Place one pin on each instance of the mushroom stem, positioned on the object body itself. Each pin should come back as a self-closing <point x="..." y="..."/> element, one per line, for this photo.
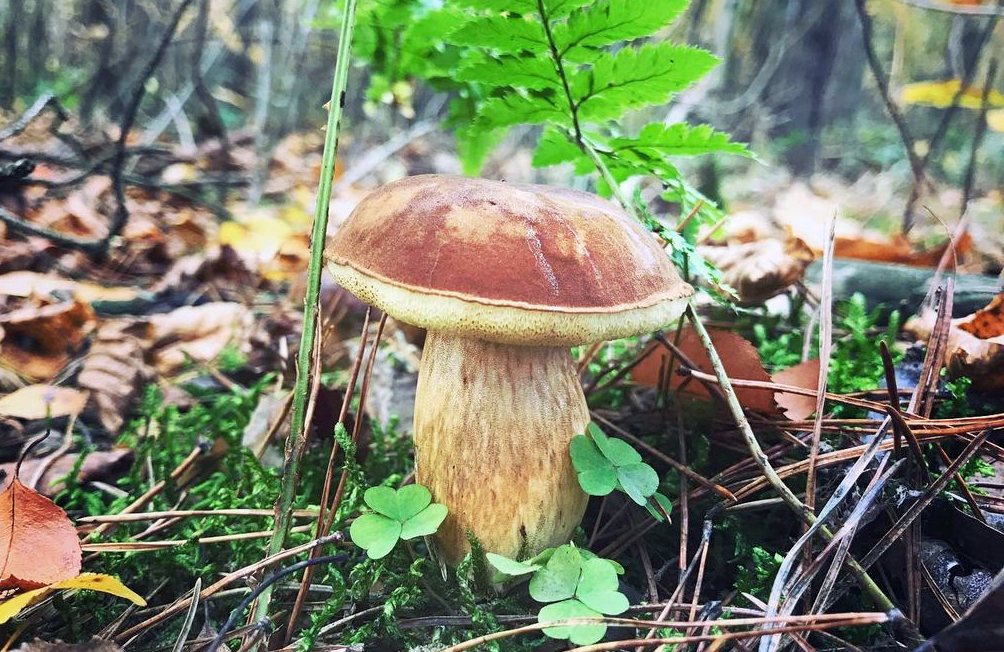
<point x="492" y="427"/>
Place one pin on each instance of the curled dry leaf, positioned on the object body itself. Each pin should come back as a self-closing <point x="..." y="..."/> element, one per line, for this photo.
<point x="762" y="269"/>
<point x="38" y="543"/>
<point x="897" y="249"/>
<point x="975" y="343"/>
<point x="99" y="466"/>
<point x="115" y="369"/>
<point x="41" y="401"/>
<point x="740" y="358"/>
<point x="40" y="340"/>
<point x="199" y="333"/>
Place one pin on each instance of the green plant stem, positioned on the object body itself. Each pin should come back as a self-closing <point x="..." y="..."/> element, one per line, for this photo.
<point x="296" y="443"/>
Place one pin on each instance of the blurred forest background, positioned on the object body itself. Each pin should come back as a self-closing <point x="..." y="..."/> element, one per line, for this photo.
<point x="794" y="82"/>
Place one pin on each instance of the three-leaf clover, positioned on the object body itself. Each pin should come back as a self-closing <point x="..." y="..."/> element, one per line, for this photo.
<point x="604" y="463"/>
<point x="402" y="514"/>
<point x="576" y="587"/>
<point x="576" y="583"/>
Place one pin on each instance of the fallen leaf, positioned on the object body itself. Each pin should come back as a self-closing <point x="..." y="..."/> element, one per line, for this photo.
<point x="221" y="269"/>
<point x="940" y="94"/>
<point x="897" y="249"/>
<point x="103" y="466"/>
<point x="199" y="333"/>
<point x="116" y="369"/>
<point x="94" y="645"/>
<point x="38" y="543"/>
<point x="87" y="581"/>
<point x="805" y="375"/>
<point x="40" y="340"/>
<point x="995" y="120"/>
<point x="740" y="359"/>
<point x="975" y="343"/>
<point x="41" y="401"/>
<point x="26" y="284"/>
<point x="762" y="269"/>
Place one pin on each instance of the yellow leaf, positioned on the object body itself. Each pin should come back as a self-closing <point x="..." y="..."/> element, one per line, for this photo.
<point x="940" y="94"/>
<point x="39" y="401"/>
<point x="995" y="120"/>
<point x="88" y="581"/>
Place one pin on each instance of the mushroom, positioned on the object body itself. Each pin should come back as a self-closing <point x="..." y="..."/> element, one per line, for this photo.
<point x="505" y="277"/>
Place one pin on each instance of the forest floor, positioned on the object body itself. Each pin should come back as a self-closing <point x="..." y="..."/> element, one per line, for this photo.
<point x="160" y="375"/>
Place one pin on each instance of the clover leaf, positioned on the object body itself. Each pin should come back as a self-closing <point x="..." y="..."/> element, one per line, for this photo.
<point x="405" y="513"/>
<point x="576" y="583"/>
<point x="603" y="464"/>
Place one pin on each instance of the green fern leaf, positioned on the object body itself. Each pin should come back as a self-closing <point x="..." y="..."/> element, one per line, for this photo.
<point x="502" y="34"/>
<point x="535" y="73"/>
<point x="474" y="144"/>
<point x="515" y="108"/>
<point x="636" y="77"/>
<point x="509" y="6"/>
<point x="556" y="148"/>
<point x="611" y="21"/>
<point x="658" y="139"/>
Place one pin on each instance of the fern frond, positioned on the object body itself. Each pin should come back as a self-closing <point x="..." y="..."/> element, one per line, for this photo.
<point x="636" y="77"/>
<point x="611" y="21"/>
<point x="508" y="35"/>
<point x="680" y="139"/>
<point x="516" y="107"/>
<point x="555" y="147"/>
<point x="536" y="73"/>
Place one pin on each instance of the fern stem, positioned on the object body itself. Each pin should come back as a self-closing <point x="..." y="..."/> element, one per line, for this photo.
<point x="608" y="177"/>
<point x="297" y="440"/>
<point x="560" y="66"/>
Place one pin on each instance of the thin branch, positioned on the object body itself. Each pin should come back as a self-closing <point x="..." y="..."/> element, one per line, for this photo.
<point x="882" y="79"/>
<point x="118" y="184"/>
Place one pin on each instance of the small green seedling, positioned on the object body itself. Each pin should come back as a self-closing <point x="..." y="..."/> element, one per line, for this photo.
<point x="575" y="583"/>
<point x="406" y="513"/>
<point x="604" y="464"/>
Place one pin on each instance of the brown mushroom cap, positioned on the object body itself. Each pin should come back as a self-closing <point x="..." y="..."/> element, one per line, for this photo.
<point x="511" y="263"/>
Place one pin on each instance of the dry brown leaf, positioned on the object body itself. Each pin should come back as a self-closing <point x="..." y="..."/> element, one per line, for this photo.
<point x="897" y="249"/>
<point x="763" y="269"/>
<point x="94" y="645"/>
<point x="199" y="333"/>
<point x="103" y="466"/>
<point x="38" y="543"/>
<point x="975" y="343"/>
<point x="739" y="357"/>
<point x="805" y="375"/>
<point x="40" y="340"/>
<point x="115" y="369"/>
<point x="40" y="401"/>
<point x="27" y="284"/>
<point x="222" y="269"/>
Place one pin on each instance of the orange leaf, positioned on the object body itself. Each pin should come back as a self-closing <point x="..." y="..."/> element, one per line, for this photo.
<point x="38" y="543"/>
<point x="739" y="357"/>
<point x="805" y="375"/>
<point x="975" y="344"/>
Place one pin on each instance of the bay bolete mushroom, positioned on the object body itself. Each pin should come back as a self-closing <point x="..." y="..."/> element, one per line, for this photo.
<point x="505" y="277"/>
